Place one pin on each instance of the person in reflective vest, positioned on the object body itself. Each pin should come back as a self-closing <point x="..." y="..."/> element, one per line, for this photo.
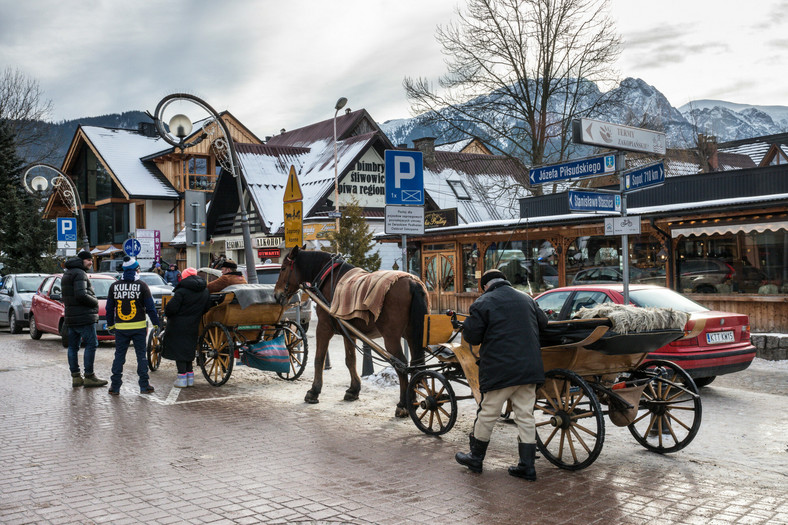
<point x="128" y="300"/>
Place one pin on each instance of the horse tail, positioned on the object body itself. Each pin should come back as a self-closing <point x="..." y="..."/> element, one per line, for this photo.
<point x="418" y="309"/>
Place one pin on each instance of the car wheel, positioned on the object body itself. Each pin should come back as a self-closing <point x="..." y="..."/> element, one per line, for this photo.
<point x="34" y="333"/>
<point x="13" y="324"/>
<point x="705" y="288"/>
<point x="63" y="335"/>
<point x="700" y="382"/>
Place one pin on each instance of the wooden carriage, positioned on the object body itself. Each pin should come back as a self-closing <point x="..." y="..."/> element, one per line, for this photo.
<point x="240" y="316"/>
<point x="587" y="366"/>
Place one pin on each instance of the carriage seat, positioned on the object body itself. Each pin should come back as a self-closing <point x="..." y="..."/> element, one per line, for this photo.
<point x="249" y="294"/>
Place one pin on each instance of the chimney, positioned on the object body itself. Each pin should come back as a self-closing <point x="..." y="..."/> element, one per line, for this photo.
<point x="347" y="111"/>
<point x="707" y="147"/>
<point x="282" y="131"/>
<point x="427" y="146"/>
<point x="147" y="129"/>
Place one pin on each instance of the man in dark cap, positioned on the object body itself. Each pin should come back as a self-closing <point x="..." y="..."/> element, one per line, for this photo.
<point x="506" y="323"/>
<point x="81" y="314"/>
<point x="230" y="276"/>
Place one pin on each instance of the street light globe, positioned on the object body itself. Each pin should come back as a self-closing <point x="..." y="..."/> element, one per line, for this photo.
<point x="39" y="183"/>
<point x="180" y="125"/>
<point x="340" y="103"/>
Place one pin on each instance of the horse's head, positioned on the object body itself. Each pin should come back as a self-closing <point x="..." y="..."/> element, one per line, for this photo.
<point x="289" y="278"/>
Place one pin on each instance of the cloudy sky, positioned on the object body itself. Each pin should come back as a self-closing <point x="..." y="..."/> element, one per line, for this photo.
<point x="283" y="63"/>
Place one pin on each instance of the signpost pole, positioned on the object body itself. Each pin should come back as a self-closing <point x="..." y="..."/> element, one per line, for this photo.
<point x="196" y="229"/>
<point x="621" y="161"/>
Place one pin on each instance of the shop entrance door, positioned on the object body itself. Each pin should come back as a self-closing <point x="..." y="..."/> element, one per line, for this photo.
<point x="439" y="276"/>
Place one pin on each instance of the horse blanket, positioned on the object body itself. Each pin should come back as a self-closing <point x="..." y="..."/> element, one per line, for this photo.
<point x="360" y="294"/>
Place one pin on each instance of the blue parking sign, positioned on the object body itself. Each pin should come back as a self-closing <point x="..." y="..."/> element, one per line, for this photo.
<point x="404" y="177"/>
<point x="66" y="229"/>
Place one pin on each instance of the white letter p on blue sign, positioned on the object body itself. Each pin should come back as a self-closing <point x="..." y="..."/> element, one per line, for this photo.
<point x="66" y="229"/>
<point x="404" y="169"/>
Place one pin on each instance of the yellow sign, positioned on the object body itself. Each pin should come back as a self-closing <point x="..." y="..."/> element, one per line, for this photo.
<point x="293" y="189"/>
<point x="294" y="229"/>
<point x="318" y="230"/>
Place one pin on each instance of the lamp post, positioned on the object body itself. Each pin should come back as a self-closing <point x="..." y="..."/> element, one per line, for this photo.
<point x="180" y="126"/>
<point x="61" y="183"/>
<point x="339" y="105"/>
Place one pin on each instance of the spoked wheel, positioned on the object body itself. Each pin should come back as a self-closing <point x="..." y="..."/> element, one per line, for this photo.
<point x="297" y="346"/>
<point x="431" y="402"/>
<point x="669" y="412"/>
<point x="154" y="348"/>
<point x="215" y="354"/>
<point x="570" y="428"/>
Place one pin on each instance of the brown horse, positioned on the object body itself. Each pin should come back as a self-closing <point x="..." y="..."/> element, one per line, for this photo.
<point x="402" y="315"/>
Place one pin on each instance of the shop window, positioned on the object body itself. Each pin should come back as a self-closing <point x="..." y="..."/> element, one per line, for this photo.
<point x="743" y="262"/>
<point x="528" y="265"/>
<point x="470" y="257"/>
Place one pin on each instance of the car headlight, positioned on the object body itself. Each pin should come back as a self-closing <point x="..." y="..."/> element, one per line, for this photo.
<point x="27" y="304"/>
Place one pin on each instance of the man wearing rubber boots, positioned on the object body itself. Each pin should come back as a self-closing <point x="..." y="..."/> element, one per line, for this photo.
<point x="506" y="323"/>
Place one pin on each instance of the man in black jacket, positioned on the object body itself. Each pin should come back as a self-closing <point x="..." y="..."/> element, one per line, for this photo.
<point x="506" y="323"/>
<point x="81" y="315"/>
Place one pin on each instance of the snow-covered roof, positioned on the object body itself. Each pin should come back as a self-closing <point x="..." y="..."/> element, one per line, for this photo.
<point x="121" y="151"/>
<point x="267" y="168"/>
<point x="644" y="210"/>
<point x="454" y="147"/>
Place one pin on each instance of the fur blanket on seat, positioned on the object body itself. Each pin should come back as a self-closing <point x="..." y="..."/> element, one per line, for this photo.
<point x="626" y="319"/>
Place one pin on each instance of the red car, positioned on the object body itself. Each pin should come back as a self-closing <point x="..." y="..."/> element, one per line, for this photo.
<point x="722" y="346"/>
<point x="46" y="312"/>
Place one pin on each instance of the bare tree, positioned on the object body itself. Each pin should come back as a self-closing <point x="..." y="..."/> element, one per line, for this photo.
<point x="24" y="108"/>
<point x="519" y="71"/>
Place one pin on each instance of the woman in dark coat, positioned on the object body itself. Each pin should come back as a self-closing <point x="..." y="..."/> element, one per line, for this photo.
<point x="184" y="311"/>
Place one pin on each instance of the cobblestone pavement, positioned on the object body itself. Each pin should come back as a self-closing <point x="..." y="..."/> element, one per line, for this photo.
<point x="251" y="451"/>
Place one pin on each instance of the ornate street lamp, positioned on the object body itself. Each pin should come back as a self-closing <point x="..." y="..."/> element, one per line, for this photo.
<point x="180" y="126"/>
<point x="339" y="105"/>
<point x="54" y="180"/>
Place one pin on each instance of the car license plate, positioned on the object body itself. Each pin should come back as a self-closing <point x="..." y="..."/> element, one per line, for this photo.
<point x="715" y="338"/>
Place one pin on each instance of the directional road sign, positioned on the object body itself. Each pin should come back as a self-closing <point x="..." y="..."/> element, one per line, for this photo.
<point x="645" y="177"/>
<point x="593" y="201"/>
<point x="609" y="135"/>
<point x="66" y="229"/>
<point x="132" y="247"/>
<point x="573" y="170"/>
<point x="404" y="177"/>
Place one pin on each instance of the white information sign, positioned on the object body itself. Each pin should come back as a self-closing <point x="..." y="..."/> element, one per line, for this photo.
<point x="66" y="248"/>
<point x="629" y="225"/>
<point x="406" y="220"/>
<point x="616" y="136"/>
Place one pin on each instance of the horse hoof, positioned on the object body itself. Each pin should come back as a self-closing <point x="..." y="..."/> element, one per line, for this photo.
<point x="311" y="398"/>
<point x="400" y="412"/>
<point x="351" y="397"/>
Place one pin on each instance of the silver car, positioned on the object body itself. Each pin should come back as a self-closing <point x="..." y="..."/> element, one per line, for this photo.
<point x="16" y="296"/>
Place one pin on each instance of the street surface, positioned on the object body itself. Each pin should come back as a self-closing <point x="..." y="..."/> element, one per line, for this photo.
<point x="252" y="451"/>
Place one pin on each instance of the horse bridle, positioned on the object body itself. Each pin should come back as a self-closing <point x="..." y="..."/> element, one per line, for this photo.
<point x="290" y="268"/>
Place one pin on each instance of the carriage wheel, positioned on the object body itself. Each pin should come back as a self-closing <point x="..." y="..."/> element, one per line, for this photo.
<point x="154" y="348"/>
<point x="298" y="348"/>
<point x="570" y="429"/>
<point x="431" y="402"/>
<point x="215" y="354"/>
<point x="668" y="414"/>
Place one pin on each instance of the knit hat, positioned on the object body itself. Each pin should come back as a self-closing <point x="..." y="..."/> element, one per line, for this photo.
<point x="489" y="275"/>
<point x="188" y="272"/>
<point x="84" y="255"/>
<point x="130" y="263"/>
<point x="229" y="263"/>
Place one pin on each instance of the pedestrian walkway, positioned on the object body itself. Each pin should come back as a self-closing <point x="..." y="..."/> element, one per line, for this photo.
<point x="237" y="455"/>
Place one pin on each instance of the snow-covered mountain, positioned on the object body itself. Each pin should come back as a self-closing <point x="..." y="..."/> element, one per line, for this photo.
<point x="642" y="105"/>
